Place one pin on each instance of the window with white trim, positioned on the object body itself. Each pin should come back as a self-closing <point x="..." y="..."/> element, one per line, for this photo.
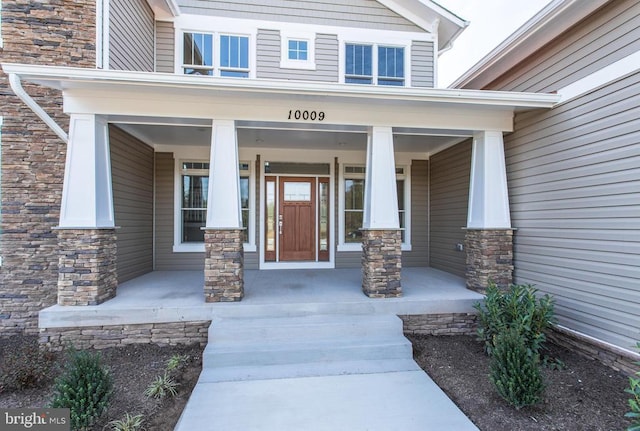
<point x="353" y="214"/>
<point x="194" y="188"/>
<point x="374" y="64"/>
<point x="297" y="50"/>
<point x="215" y="54"/>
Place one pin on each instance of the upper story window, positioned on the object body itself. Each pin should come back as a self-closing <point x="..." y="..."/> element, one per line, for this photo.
<point x="215" y="54"/>
<point x="374" y="64"/>
<point x="297" y="50"/>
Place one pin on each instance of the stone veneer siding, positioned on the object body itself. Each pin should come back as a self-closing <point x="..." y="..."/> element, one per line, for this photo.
<point x="381" y="263"/>
<point x="608" y="354"/>
<point x="223" y="265"/>
<point x="54" y="32"/>
<point x="489" y="258"/>
<point x="102" y="337"/>
<point x="440" y="324"/>
<point x="87" y="270"/>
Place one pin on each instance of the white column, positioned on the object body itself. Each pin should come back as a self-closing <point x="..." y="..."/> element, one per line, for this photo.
<point x="380" y="192"/>
<point x="87" y="198"/>
<point x="223" y="204"/>
<point x="488" y="193"/>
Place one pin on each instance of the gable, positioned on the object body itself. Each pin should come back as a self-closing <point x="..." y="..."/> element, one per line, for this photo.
<point x="347" y="13"/>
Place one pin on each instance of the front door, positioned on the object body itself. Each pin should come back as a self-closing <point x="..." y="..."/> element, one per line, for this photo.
<point x="297" y="219"/>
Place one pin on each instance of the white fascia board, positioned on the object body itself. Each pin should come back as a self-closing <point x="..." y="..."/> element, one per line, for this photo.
<point x="542" y="28"/>
<point x="70" y="78"/>
<point x="164" y="9"/>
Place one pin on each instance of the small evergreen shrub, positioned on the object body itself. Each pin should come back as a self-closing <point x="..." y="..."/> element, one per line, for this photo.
<point x="85" y="387"/>
<point x="515" y="369"/>
<point x="517" y="306"/>
<point x="28" y="366"/>
<point x="634" y="402"/>
<point x="128" y="423"/>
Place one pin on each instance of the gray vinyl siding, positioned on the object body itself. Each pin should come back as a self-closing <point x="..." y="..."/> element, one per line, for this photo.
<point x="165" y="42"/>
<point x="419" y="254"/>
<point x="166" y="259"/>
<point x="269" y="56"/>
<point x="574" y="185"/>
<point x="132" y="177"/>
<point x="449" y="181"/>
<point x="605" y="37"/>
<point x="131" y="35"/>
<point x="349" y="259"/>
<point x="349" y="13"/>
<point x="422" y="64"/>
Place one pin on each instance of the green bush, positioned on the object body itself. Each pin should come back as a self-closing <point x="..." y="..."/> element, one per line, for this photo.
<point x="517" y="306"/>
<point x="634" y="402"/>
<point x="85" y="387"/>
<point x="162" y="386"/>
<point x="515" y="369"/>
<point x="27" y="366"/>
<point x="128" y="423"/>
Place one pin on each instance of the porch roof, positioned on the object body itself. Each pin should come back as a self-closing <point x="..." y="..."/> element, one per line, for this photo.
<point x="111" y="92"/>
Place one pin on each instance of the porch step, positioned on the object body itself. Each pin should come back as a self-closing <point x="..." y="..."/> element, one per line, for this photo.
<point x="245" y="349"/>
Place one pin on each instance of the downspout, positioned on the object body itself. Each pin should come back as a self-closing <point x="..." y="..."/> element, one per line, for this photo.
<point x="16" y="86"/>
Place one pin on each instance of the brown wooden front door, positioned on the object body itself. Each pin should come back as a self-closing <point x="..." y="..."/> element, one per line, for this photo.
<point x="297" y="218"/>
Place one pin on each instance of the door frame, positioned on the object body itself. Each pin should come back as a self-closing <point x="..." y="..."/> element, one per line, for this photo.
<point x="330" y="179"/>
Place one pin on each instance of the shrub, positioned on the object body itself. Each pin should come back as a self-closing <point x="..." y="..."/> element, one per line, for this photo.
<point x="634" y="402"/>
<point x="177" y="362"/>
<point x="27" y="367"/>
<point x="518" y="306"/>
<point x="85" y="387"/>
<point x="128" y="423"/>
<point x="162" y="386"/>
<point x="515" y="370"/>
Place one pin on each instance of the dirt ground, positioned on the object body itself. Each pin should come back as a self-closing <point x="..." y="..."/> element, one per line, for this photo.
<point x="583" y="396"/>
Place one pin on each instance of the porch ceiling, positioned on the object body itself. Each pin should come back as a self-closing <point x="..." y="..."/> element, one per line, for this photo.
<point x="271" y="135"/>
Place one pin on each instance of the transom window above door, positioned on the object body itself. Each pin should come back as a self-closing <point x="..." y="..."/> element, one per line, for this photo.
<point x="374" y="64"/>
<point x="215" y="54"/>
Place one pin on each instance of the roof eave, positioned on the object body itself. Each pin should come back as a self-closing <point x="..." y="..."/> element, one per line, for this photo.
<point x="63" y="78"/>
<point x="541" y="29"/>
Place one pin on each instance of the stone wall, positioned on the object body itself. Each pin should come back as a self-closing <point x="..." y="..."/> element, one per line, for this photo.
<point x="381" y="263"/>
<point x="223" y="265"/>
<point x="441" y="324"/>
<point x="608" y="354"/>
<point x="102" y="337"/>
<point x="54" y="32"/>
<point x="489" y="258"/>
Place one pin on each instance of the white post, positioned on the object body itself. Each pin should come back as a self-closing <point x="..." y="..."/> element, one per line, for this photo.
<point x="87" y="198"/>
<point x="380" y="192"/>
<point x="488" y="193"/>
<point x="223" y="205"/>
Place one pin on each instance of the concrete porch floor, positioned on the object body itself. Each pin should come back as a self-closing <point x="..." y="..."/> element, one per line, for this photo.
<point x="176" y="296"/>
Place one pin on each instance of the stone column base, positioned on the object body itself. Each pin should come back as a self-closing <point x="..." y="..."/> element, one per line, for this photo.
<point x="86" y="266"/>
<point x="381" y="263"/>
<point x="489" y="258"/>
<point x="223" y="265"/>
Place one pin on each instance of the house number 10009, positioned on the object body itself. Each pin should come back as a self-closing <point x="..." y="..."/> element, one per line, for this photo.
<point x="306" y="115"/>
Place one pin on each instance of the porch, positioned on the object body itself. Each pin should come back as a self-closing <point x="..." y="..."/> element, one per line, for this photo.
<point x="176" y="296"/>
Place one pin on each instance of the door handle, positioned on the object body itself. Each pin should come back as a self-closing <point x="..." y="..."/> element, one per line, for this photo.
<point x="280" y="226"/>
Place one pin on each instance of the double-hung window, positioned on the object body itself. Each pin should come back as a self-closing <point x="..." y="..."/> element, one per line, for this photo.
<point x="215" y="54"/>
<point x="354" y="184"/>
<point x="374" y="64"/>
<point x="194" y="183"/>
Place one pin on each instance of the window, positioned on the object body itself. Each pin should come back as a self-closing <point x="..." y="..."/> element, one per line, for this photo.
<point x="383" y="65"/>
<point x="298" y="50"/>
<point x="354" y="203"/>
<point x="194" y="183"/>
<point x="199" y="55"/>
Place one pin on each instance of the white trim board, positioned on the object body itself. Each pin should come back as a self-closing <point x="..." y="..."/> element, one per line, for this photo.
<point x="620" y="68"/>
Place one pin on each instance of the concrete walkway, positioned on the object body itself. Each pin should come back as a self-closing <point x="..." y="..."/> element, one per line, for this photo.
<point x="316" y="372"/>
